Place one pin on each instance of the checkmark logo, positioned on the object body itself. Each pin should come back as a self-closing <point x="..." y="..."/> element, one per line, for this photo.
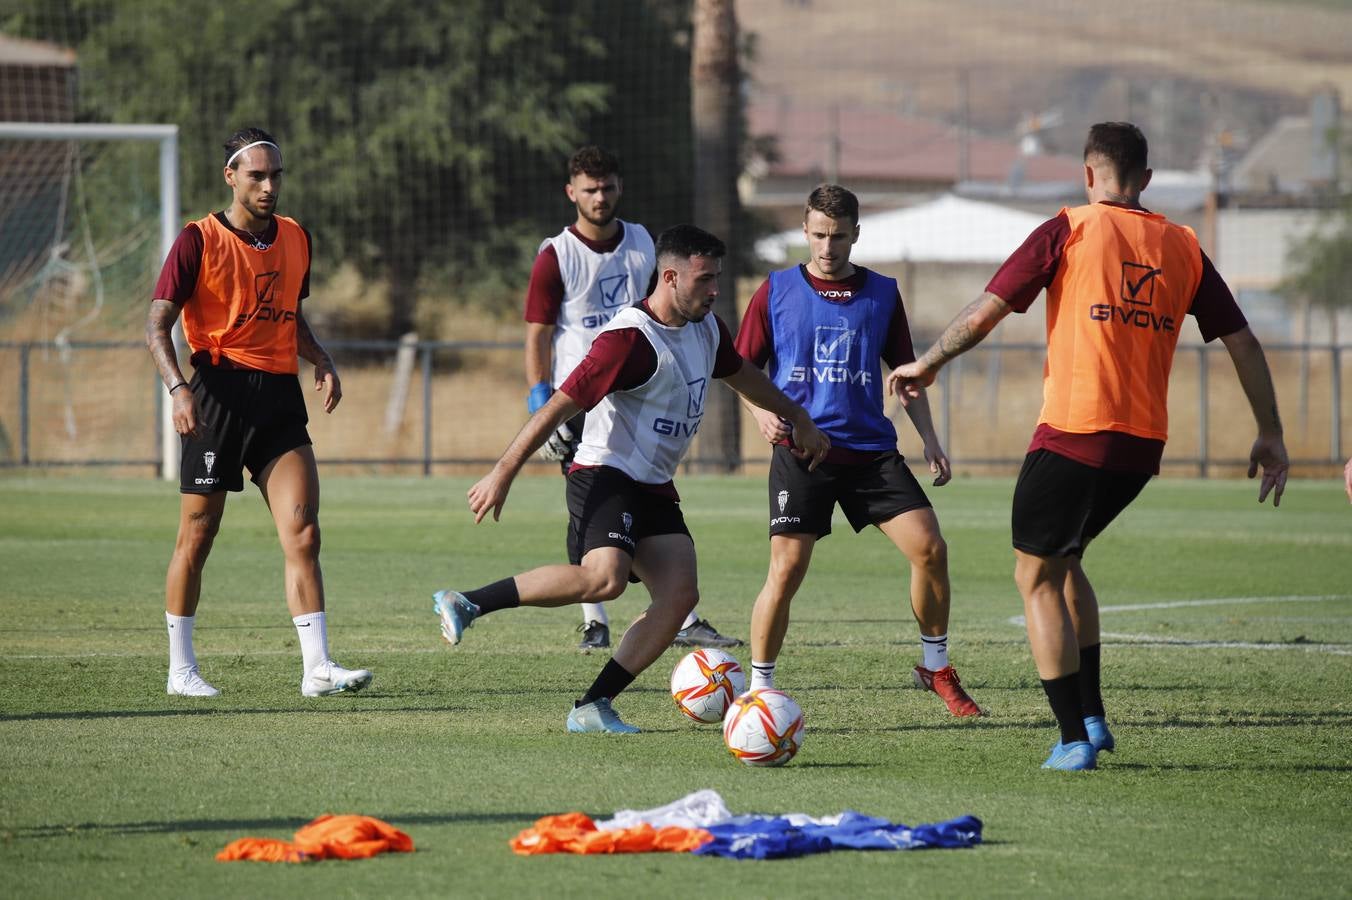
<point x="832" y="344"/>
<point x="612" y="290"/>
<point x="1138" y="283"/>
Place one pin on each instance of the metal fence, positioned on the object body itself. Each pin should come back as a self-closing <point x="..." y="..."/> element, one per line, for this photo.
<point x="427" y="406"/>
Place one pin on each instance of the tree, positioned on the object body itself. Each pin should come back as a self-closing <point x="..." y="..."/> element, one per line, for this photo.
<point x="716" y="112"/>
<point x="422" y="141"/>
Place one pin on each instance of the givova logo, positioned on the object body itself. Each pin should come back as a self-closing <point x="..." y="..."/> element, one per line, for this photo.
<point x="698" y="388"/>
<point x="832" y="343"/>
<point x="612" y="291"/>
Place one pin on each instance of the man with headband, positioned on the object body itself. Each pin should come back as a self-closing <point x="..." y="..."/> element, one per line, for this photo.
<point x="238" y="278"/>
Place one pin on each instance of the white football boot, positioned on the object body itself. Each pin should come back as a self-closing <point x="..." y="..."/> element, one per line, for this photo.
<point x="190" y="684"/>
<point x="330" y="678"/>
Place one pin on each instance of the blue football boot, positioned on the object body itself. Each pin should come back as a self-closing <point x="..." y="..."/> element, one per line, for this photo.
<point x="456" y="614"/>
<point x="1099" y="735"/>
<point x="598" y="716"/>
<point x="1077" y="756"/>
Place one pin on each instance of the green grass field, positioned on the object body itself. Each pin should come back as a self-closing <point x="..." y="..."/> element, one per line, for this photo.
<point x="1227" y="670"/>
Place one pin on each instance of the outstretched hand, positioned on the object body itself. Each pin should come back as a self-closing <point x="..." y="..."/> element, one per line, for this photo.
<point x="939" y="465"/>
<point x="490" y="492"/>
<point x="1270" y="454"/>
<point x="810" y="443"/>
<point x="909" y="381"/>
<point x="326" y="380"/>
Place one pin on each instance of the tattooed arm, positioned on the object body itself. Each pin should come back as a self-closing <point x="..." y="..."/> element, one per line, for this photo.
<point x="160" y="341"/>
<point x="326" y="373"/>
<point x="966" y="330"/>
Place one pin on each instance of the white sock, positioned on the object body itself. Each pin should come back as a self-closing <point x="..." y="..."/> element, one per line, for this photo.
<point x="762" y="675"/>
<point x="181" y="655"/>
<point x="689" y="620"/>
<point x="313" y="632"/>
<point x="935" y="650"/>
<point x="595" y="612"/>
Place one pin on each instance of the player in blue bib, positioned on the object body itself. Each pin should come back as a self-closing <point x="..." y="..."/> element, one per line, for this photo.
<point x="820" y="330"/>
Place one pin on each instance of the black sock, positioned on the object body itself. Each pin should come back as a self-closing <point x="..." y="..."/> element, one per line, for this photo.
<point x="493" y="597"/>
<point x="613" y="679"/>
<point x="1091" y="696"/>
<point x="1064" y="696"/>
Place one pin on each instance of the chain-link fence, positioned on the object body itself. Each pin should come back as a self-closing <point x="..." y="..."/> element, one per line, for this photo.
<point x="447" y="406"/>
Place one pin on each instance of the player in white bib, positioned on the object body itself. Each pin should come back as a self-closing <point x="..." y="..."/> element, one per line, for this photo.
<point x="644" y="383"/>
<point x="582" y="278"/>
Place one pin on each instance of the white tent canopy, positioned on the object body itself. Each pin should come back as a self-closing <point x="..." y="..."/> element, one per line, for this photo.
<point x="948" y="229"/>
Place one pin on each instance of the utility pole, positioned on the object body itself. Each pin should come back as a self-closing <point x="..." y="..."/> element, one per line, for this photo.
<point x="715" y="115"/>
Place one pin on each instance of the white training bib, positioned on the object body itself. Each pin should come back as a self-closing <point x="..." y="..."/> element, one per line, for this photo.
<point x="596" y="286"/>
<point x="644" y="432"/>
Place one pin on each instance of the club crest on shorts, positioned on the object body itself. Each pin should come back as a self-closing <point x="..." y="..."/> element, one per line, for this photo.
<point x="626" y="520"/>
<point x="209" y="458"/>
<point x="783" y="501"/>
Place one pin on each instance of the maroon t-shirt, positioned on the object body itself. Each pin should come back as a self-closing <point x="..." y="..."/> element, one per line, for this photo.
<point x="755" y="342"/>
<point x="178" y="277"/>
<point x="544" y="292"/>
<point x="622" y="359"/>
<point x="1030" y="270"/>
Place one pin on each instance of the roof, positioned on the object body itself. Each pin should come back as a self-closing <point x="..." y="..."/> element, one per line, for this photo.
<point x="878" y="144"/>
<point x="948" y="229"/>
<point x="19" y="52"/>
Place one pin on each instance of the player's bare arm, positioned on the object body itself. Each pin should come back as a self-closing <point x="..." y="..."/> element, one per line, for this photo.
<point x="1269" y="450"/>
<point x="976" y="320"/>
<point x="160" y="341"/>
<point x="490" y="492"/>
<point x="1347" y="479"/>
<point x="539" y="352"/>
<point x="918" y="410"/>
<point x="751" y="383"/>
<point x="313" y="352"/>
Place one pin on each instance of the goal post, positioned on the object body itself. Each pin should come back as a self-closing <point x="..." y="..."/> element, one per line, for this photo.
<point x="167" y="138"/>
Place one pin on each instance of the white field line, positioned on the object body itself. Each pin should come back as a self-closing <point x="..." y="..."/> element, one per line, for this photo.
<point x="1159" y="640"/>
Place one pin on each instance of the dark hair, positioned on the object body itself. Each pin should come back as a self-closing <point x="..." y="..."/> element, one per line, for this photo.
<point x="685" y="241"/>
<point x="594" y="162"/>
<point x="834" y="201"/>
<point x="1124" y="147"/>
<point x="243" y="138"/>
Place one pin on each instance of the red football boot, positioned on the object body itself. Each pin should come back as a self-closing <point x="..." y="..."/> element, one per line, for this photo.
<point x="945" y="683"/>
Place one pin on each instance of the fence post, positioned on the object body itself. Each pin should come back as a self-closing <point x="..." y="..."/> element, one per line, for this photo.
<point x="427" y="408"/>
<point x="1203" y="426"/>
<point x="1336" y="406"/>
<point x="23" y="403"/>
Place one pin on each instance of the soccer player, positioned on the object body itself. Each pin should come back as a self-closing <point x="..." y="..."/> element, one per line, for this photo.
<point x="643" y="383"/>
<point x="821" y="328"/>
<point x="581" y="278"/>
<point x="238" y="278"/>
<point x="1119" y="280"/>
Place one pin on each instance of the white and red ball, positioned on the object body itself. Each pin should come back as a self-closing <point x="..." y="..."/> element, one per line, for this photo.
<point x="705" y="683"/>
<point x="763" y="728"/>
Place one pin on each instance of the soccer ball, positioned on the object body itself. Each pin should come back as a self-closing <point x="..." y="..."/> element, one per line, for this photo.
<point x="763" y="728"/>
<point x="705" y="682"/>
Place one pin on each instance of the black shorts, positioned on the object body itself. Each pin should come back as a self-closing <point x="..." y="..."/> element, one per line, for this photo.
<point x="607" y="508"/>
<point x="245" y="418"/>
<point x="801" y="502"/>
<point x="1060" y="505"/>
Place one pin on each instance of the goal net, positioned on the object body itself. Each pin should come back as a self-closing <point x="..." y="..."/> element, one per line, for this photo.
<point x="88" y="213"/>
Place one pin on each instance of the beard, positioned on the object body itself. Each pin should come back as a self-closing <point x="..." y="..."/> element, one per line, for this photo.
<point x="601" y="220"/>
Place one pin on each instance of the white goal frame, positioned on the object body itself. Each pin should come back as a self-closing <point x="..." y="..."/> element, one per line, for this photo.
<point x="167" y="138"/>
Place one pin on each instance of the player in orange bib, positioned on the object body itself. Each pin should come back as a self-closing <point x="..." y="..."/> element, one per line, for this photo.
<point x="1119" y="280"/>
<point x="238" y="277"/>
